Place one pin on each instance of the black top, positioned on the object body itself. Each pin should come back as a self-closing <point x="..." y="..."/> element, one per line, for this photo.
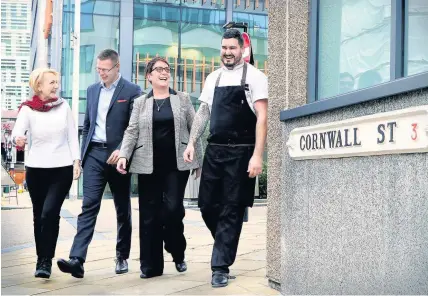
<point x="163" y="135"/>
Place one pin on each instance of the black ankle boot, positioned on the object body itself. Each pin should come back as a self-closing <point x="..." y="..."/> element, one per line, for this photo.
<point x="39" y="261"/>
<point x="44" y="268"/>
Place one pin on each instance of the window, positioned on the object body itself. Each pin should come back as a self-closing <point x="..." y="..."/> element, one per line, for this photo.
<point x="87" y="53"/>
<point x="354" y="45"/>
<point x="101" y="7"/>
<point x="357" y="44"/>
<point x="104" y="34"/>
<point x="416" y="32"/>
<point x="191" y="43"/>
<point x="250" y="5"/>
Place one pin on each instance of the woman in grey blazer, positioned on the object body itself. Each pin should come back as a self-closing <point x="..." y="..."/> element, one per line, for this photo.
<point x="152" y="147"/>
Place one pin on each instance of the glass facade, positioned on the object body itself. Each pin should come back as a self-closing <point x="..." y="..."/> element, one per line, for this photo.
<point x="358" y="39"/>
<point x="354" y="51"/>
<point x="99" y="29"/>
<point x="186" y="32"/>
<point x="416" y="37"/>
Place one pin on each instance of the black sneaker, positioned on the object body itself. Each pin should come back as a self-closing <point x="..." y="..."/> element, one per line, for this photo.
<point x="44" y="269"/>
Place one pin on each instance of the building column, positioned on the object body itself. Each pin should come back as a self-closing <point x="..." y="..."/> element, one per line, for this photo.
<point x="288" y="60"/>
<point x="56" y="41"/>
<point x="41" y="58"/>
<point x="229" y="11"/>
<point x="126" y="42"/>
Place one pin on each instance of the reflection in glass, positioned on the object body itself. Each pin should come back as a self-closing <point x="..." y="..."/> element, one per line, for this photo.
<point x="105" y="34"/>
<point x="258" y="31"/>
<point x="105" y="7"/>
<point x="416" y="26"/>
<point x="153" y="38"/>
<point x="206" y="4"/>
<point x="251" y="5"/>
<point x="354" y="45"/>
<point x="190" y="38"/>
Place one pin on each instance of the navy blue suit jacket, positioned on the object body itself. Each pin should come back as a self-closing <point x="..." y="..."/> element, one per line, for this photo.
<point x="118" y="114"/>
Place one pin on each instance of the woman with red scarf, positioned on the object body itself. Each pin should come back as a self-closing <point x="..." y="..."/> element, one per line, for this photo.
<point x="53" y="160"/>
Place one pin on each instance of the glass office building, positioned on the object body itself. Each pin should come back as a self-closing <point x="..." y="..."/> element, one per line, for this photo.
<point x="186" y="32"/>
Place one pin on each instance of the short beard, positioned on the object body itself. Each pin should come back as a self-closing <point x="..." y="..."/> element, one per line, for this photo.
<point x="231" y="66"/>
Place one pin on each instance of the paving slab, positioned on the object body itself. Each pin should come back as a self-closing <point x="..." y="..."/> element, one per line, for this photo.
<point x="100" y="279"/>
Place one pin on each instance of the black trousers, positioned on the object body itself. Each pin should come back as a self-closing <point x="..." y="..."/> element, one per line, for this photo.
<point x="48" y="188"/>
<point x="162" y="211"/>
<point x="225" y="191"/>
<point x="96" y="174"/>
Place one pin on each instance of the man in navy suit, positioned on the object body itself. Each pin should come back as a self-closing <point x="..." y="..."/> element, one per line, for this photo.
<point x="109" y="107"/>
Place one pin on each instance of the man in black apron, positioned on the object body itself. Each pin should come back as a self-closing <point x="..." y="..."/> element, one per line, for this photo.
<point x="233" y="157"/>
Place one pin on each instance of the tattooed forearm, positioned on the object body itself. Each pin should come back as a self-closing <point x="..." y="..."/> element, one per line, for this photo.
<point x="200" y="122"/>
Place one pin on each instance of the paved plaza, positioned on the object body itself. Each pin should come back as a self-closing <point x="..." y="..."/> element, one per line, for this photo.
<point x="18" y="257"/>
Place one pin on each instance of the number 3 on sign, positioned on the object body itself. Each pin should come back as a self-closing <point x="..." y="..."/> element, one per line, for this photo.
<point x="415" y="133"/>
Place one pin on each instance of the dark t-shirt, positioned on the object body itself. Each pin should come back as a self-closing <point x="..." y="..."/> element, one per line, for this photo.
<point x="163" y="135"/>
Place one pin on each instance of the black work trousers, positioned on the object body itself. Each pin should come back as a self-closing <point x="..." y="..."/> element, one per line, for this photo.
<point x="48" y="188"/>
<point x="225" y="223"/>
<point x="162" y="212"/>
<point x="225" y="191"/>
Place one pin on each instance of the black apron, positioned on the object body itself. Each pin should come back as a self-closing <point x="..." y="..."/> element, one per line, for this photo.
<point x="232" y="120"/>
<point x="231" y="141"/>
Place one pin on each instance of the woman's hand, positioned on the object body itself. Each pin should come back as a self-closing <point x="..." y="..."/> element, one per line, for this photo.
<point x="121" y="165"/>
<point x="189" y="153"/>
<point x="77" y="169"/>
<point x="20" y="141"/>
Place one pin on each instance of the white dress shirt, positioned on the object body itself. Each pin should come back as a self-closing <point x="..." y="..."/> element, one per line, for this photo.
<point x="106" y="94"/>
<point x="54" y="142"/>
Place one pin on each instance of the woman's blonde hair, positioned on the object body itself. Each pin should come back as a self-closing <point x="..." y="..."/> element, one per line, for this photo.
<point x="36" y="77"/>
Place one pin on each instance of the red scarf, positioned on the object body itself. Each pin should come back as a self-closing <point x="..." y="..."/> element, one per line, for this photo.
<point x="38" y="105"/>
<point x="42" y="106"/>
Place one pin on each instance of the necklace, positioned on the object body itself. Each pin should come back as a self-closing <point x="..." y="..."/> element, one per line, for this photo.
<point x="159" y="106"/>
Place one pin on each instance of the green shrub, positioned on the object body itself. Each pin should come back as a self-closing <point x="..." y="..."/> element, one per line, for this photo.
<point x="263" y="182"/>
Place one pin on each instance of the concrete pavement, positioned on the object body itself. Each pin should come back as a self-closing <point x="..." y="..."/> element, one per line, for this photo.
<point x="18" y="261"/>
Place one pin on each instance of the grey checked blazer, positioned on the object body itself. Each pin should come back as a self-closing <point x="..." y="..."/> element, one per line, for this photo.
<point x="138" y="139"/>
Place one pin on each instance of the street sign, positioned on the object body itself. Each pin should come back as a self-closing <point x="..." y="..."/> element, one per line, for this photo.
<point x="247" y="47"/>
<point x="396" y="132"/>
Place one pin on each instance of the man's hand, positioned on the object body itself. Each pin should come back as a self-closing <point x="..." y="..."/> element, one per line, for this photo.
<point x="114" y="157"/>
<point x="197" y="173"/>
<point x="77" y="169"/>
<point x="20" y="141"/>
<point x="255" y="166"/>
<point x="189" y="153"/>
<point x="121" y="166"/>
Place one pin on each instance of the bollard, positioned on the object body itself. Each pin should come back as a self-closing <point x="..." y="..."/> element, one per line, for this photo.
<point x="246" y="215"/>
